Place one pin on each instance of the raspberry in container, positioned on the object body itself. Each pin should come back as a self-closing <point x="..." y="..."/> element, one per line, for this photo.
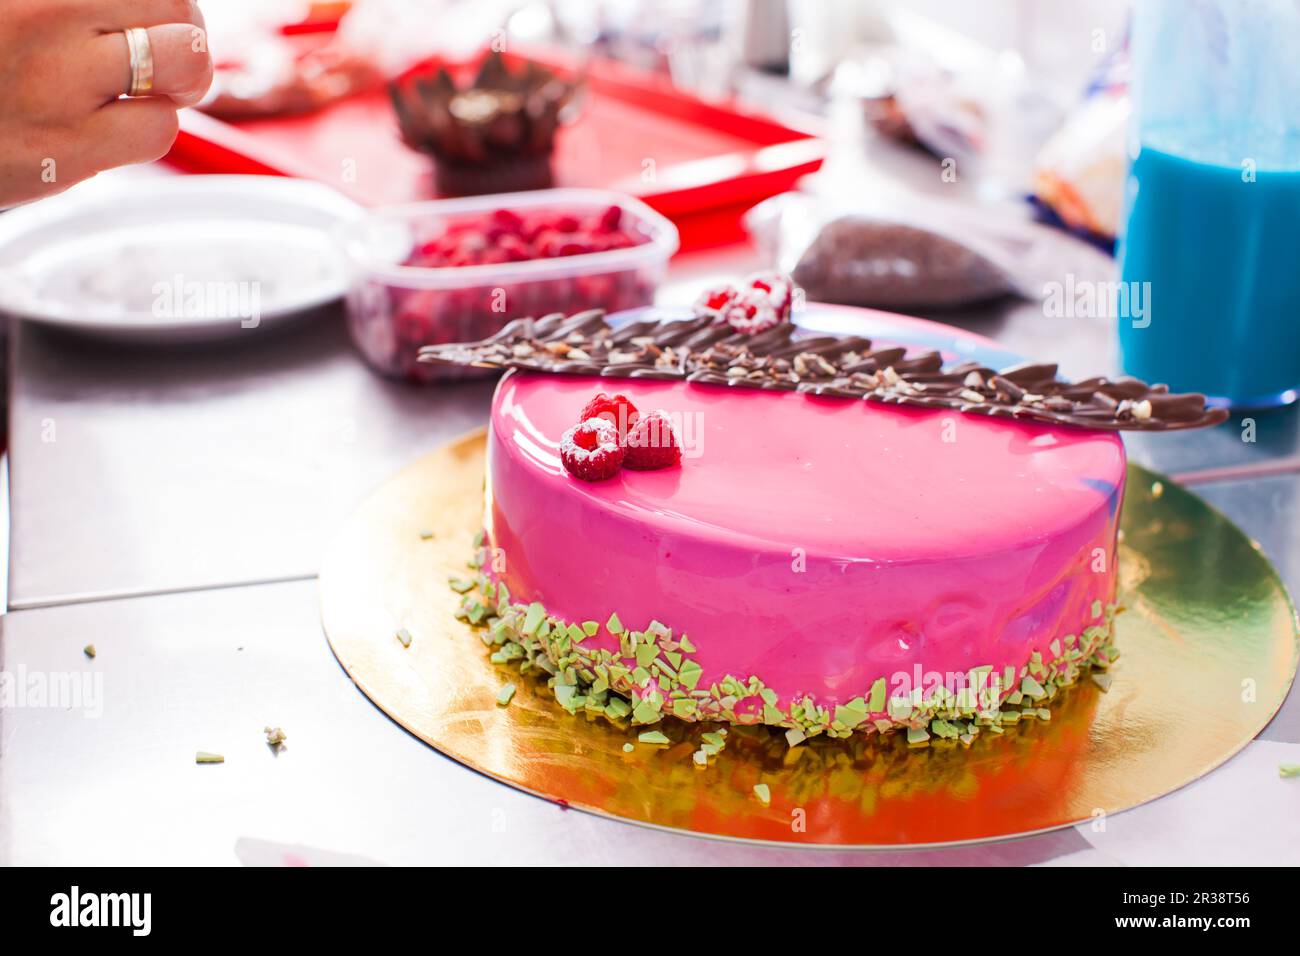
<point x="457" y="270"/>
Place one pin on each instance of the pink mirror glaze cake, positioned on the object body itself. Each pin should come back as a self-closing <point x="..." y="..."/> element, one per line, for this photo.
<point x="813" y="563"/>
<point x="824" y="534"/>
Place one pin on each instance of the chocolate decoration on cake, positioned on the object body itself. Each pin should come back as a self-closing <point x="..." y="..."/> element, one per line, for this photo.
<point x="495" y="135"/>
<point x="702" y="350"/>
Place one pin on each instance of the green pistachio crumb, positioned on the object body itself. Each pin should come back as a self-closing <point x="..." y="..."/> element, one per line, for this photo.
<point x="917" y="735"/>
<point x="1032" y="689"/>
<point x="425" y="534"/>
<point x="941" y="728"/>
<point x="653" y="737"/>
<point x="1288" y="770"/>
<point x="204" y="757"/>
<point x="877" y="702"/>
<point x="646" y="713"/>
<point x="852" y="713"/>
<point x="614" y="625"/>
<point x="533" y="618"/>
<point x="404" y="636"/>
<point x="506" y="695"/>
<point x="628" y="748"/>
<point x="794" y="737"/>
<point x="460" y="585"/>
<point x="764" y="794"/>
<point x="701" y="758"/>
<point x="684" y="707"/>
<point x="900" y="708"/>
<point x="1103" y="681"/>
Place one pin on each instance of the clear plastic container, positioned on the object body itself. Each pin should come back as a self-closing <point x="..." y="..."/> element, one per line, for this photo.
<point x="395" y="309"/>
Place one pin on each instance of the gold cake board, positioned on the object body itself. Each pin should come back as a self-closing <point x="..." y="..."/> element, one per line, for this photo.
<point x="1208" y="646"/>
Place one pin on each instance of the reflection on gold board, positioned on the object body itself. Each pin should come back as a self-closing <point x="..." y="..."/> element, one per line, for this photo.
<point x="1208" y="651"/>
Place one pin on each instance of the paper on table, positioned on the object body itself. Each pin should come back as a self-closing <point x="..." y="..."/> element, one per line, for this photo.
<point x="254" y="852"/>
<point x="1088" y="857"/>
<point x="1243" y="814"/>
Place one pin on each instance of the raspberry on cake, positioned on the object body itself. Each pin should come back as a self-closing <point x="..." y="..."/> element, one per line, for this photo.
<point x="591" y="450"/>
<point x="652" y="444"/>
<point x="618" y="410"/>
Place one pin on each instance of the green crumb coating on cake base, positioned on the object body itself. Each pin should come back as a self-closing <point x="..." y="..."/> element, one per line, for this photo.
<point x="647" y="675"/>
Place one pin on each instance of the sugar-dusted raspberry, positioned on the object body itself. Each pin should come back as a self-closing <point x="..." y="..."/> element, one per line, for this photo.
<point x="652" y="443"/>
<point x="591" y="450"/>
<point x="618" y="410"/>
<point x="764" y="302"/>
<point x="714" y="301"/>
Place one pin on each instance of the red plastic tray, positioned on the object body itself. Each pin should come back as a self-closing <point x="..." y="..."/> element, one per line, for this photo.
<point x="710" y="161"/>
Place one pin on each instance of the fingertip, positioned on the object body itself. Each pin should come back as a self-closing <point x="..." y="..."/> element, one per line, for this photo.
<point x="148" y="127"/>
<point x="196" y="93"/>
<point x="162" y="135"/>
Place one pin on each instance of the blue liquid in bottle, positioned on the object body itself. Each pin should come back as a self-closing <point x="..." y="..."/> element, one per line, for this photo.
<point x="1218" y="245"/>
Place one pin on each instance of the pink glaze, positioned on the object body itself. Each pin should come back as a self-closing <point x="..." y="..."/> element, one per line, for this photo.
<point x="818" y="544"/>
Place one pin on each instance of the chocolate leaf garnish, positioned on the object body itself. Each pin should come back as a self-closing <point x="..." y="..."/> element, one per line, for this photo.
<point x="704" y="350"/>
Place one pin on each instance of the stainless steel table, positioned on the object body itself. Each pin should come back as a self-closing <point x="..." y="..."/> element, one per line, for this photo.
<point x="171" y="508"/>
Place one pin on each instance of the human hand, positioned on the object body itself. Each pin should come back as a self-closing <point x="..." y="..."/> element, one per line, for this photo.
<point x="64" y="68"/>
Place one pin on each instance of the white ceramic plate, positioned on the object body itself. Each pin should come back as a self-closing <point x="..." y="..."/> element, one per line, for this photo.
<point x="170" y="260"/>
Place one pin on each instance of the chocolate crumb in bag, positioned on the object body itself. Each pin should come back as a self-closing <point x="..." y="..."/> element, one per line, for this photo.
<point x="857" y="260"/>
